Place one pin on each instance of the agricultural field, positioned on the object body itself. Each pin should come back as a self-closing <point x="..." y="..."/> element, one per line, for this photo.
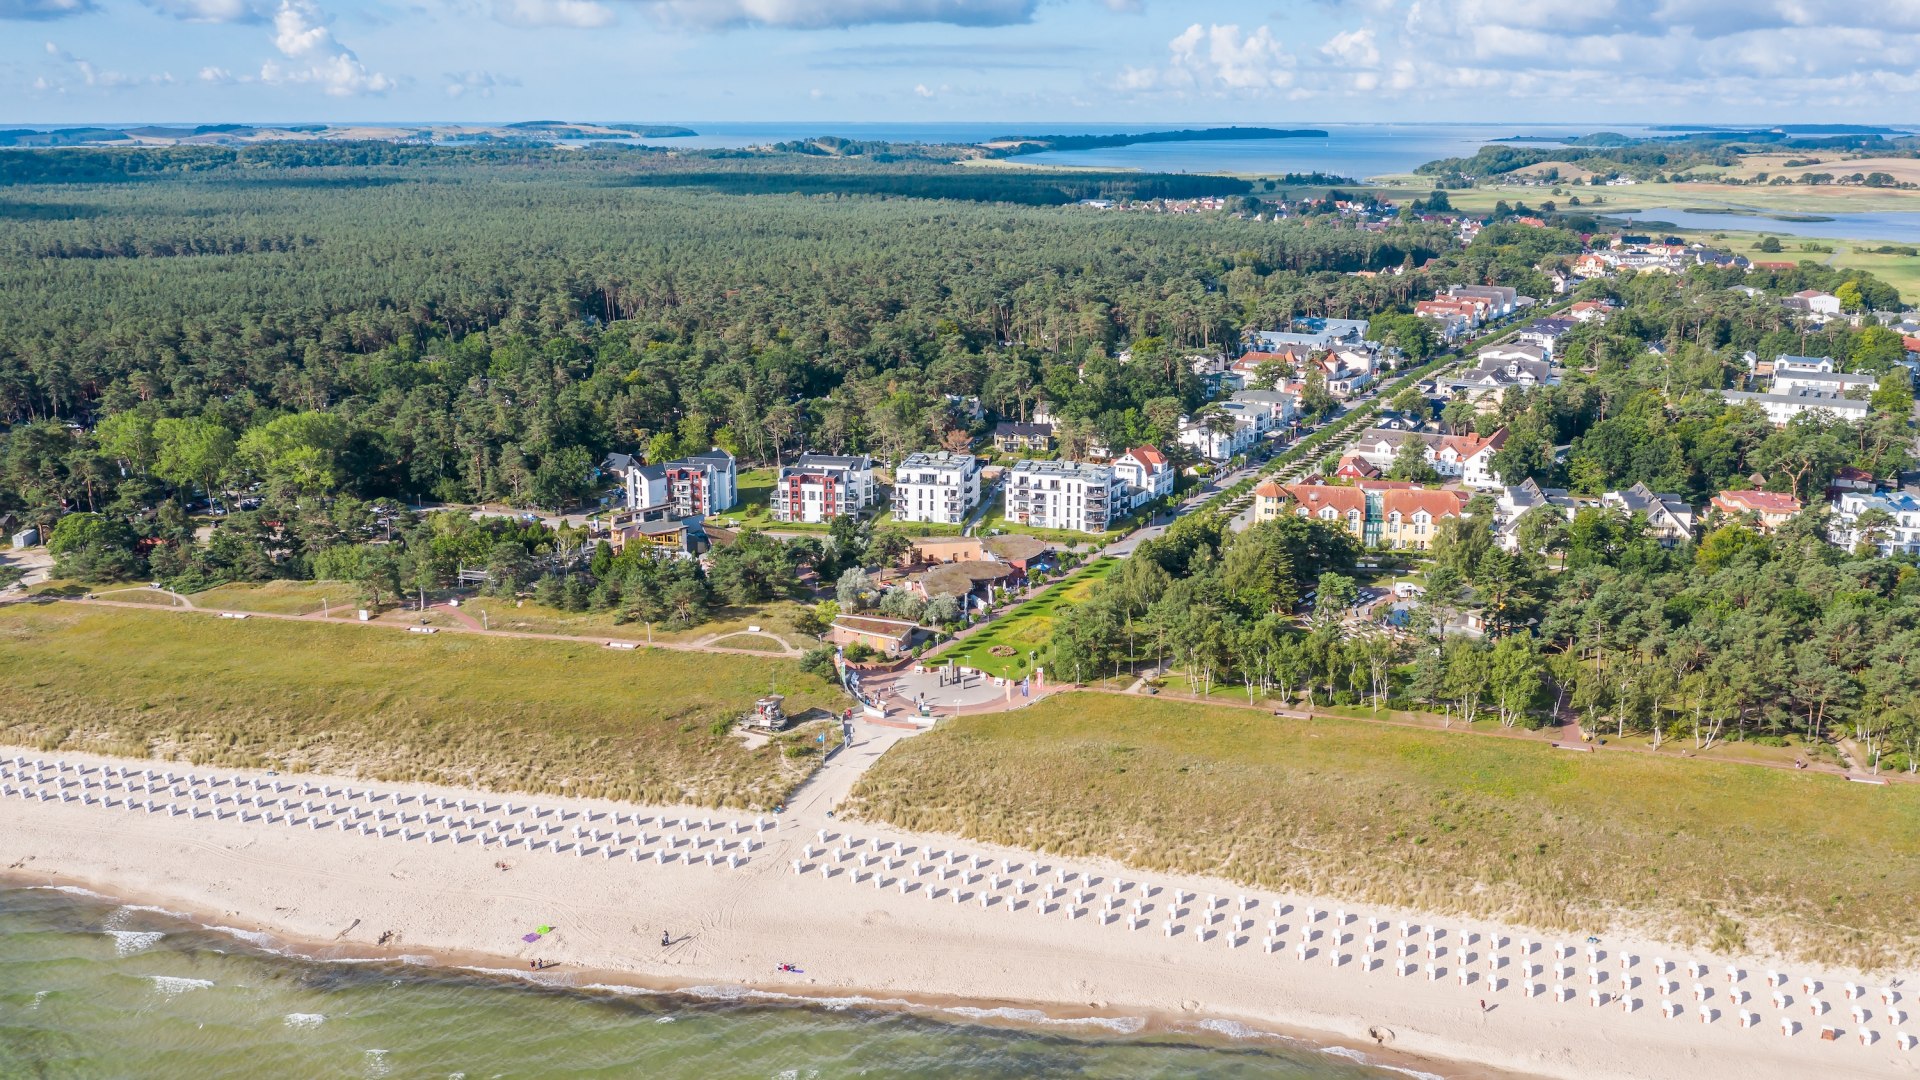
<point x="510" y="715"/>
<point x="1028" y="628"/>
<point x="1733" y="856"/>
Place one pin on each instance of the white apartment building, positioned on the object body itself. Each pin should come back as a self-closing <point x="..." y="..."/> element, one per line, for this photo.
<point x="1782" y="408"/>
<point x="1071" y="495"/>
<point x="1249" y="423"/>
<point x="1823" y="382"/>
<point x="821" y="487"/>
<point x="1901" y="535"/>
<point x="941" y="487"/>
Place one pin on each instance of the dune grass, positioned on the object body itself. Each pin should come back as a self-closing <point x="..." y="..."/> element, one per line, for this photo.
<point x="498" y="713"/>
<point x="1028" y="628"/>
<point x="1732" y="856"/>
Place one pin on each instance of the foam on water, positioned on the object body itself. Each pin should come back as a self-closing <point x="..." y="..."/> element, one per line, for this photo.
<point x="1356" y="1056"/>
<point x="173" y="985"/>
<point x="305" y="1020"/>
<point x="128" y="942"/>
<point x="251" y="937"/>
<point x="377" y="1064"/>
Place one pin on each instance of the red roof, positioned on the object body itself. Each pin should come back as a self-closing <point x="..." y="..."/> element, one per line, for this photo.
<point x="1468" y="445"/>
<point x="1148" y="456"/>
<point x="1759" y="502"/>
<point x="1317" y="497"/>
<point x="1356" y="468"/>
<point x="1437" y="503"/>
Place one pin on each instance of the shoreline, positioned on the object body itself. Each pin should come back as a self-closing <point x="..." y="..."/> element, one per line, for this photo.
<point x="1006" y="1014"/>
<point x="335" y="892"/>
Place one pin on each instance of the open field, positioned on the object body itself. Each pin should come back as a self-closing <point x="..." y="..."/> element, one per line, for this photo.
<point x="1786" y="198"/>
<point x="529" y="616"/>
<point x="504" y="714"/>
<point x="277" y="597"/>
<point x="1725" y="855"/>
<point x="1027" y="628"/>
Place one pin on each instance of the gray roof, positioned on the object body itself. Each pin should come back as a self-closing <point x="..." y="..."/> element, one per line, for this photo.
<point x="1013" y="427"/>
<point x="1082" y="469"/>
<point x="809" y="463"/>
<point x="1806" y="398"/>
<point x="938" y="459"/>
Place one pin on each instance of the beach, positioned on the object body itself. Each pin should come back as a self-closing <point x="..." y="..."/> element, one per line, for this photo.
<point x="732" y="926"/>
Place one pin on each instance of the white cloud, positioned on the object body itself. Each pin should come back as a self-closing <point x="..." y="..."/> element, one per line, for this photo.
<point x="97" y="78"/>
<point x="837" y="14"/>
<point x="1354" y="48"/>
<point x="476" y="83"/>
<point x="1215" y="60"/>
<point x="580" y="14"/>
<point x="302" y="36"/>
<point x="43" y="10"/>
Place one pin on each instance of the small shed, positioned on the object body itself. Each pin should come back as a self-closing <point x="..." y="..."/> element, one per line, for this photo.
<point x="889" y="636"/>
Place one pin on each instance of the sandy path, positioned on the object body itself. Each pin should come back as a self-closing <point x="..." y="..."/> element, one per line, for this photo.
<point x="733" y="926"/>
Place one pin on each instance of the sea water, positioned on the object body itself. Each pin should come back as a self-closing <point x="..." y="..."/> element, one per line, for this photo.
<point x="93" y="988"/>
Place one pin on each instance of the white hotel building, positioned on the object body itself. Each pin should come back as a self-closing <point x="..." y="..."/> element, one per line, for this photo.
<point x="940" y="487"/>
<point x="1071" y="495"/>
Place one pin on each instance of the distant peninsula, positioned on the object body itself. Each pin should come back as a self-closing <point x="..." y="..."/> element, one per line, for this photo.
<point x="1011" y="145"/>
<point x="539" y="131"/>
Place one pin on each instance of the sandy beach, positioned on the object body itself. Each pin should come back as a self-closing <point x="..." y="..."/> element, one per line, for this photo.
<point x="1063" y="945"/>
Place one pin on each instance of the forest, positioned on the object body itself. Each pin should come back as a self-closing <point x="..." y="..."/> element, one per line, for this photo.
<point x="486" y="325"/>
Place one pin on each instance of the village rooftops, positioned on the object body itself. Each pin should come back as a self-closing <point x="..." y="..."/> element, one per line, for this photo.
<point x="937" y="459"/>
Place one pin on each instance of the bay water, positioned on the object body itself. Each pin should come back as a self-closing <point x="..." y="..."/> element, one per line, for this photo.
<point x="91" y="988"/>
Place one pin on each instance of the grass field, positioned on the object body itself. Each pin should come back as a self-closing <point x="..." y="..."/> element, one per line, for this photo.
<point x="1728" y="855"/>
<point x="278" y="597"/>
<point x="1027" y="628"/>
<point x="460" y="709"/>
<point x="530" y="617"/>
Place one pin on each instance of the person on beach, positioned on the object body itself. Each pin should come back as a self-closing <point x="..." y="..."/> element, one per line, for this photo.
<point x="1483" y="1004"/>
<point x="666" y="939"/>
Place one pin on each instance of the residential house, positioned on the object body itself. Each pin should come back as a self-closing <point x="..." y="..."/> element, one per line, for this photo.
<point x="1282" y="406"/>
<point x="1456" y="317"/>
<point x="1502" y="300"/>
<point x="1223" y="442"/>
<point x="1311" y="334"/>
<point x="1787" y="363"/>
<point x="1770" y="509"/>
<point x="1011" y="437"/>
<point x="1146" y="473"/>
<point x="1467" y="458"/>
<point x="1500" y="367"/>
<point x="940" y="487"/>
<point x="1669" y="518"/>
<point x="1595" y="311"/>
<point x="1592" y="264"/>
<point x="1516" y="500"/>
<point x="821" y="487"/>
<point x="1546" y="333"/>
<point x="1071" y="495"/>
<point x="1813" y="302"/>
<point x="661" y="535"/>
<point x="1248" y="366"/>
<point x="1838" y="384"/>
<point x="1782" y="408"/>
<point x="641" y="485"/>
<point x="1901" y="535"/>
<point x="971" y="581"/>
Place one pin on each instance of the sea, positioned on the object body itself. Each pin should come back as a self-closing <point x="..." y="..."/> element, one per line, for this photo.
<point x="91" y="987"/>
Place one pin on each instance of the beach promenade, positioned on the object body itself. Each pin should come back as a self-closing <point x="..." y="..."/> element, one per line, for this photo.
<point x="333" y="865"/>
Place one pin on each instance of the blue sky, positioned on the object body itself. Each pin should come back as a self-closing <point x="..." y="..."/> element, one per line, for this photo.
<point x="1150" y="61"/>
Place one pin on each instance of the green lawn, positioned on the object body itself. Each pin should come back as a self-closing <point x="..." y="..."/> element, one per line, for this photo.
<point x="1730" y="855"/>
<point x="1028" y="628"/>
<point x="995" y="520"/>
<point x="511" y="715"/>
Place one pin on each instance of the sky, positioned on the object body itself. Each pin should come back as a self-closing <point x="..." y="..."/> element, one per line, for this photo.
<point x="1108" y="61"/>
